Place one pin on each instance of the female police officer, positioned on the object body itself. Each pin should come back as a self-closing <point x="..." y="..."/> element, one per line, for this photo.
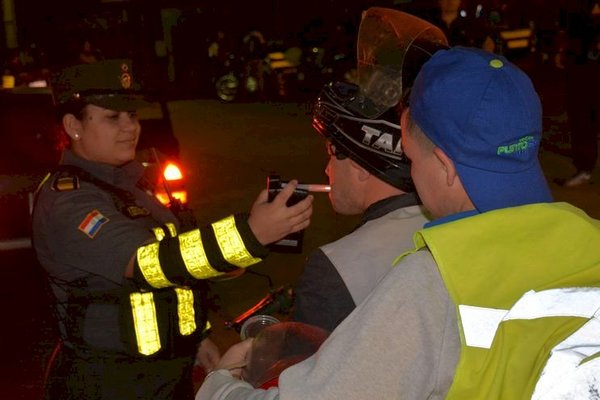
<point x="126" y="278"/>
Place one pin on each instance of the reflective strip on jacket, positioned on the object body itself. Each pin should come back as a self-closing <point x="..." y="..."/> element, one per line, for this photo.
<point x="144" y="309"/>
<point x="176" y="260"/>
<point x="184" y="257"/>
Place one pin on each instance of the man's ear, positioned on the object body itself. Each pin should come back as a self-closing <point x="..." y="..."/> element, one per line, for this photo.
<point x="72" y="126"/>
<point x="361" y="173"/>
<point x="447" y="164"/>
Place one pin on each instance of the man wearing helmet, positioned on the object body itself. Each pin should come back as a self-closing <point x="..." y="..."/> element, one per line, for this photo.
<point x="369" y="175"/>
<point x="368" y="171"/>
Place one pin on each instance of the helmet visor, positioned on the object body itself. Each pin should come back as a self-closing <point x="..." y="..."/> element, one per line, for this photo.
<point x="392" y="46"/>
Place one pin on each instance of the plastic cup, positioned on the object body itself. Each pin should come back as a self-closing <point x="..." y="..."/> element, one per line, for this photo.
<point x="253" y="325"/>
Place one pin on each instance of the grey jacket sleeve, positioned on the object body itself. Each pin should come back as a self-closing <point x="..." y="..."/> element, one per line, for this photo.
<point x="402" y="342"/>
<point x="221" y="385"/>
<point x="322" y="298"/>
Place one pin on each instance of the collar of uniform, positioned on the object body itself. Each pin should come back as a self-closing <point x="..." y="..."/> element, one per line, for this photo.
<point x="125" y="176"/>
<point x="382" y="207"/>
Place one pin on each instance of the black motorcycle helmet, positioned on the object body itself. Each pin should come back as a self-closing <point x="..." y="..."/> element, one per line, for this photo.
<point x="363" y="120"/>
<point x="373" y="143"/>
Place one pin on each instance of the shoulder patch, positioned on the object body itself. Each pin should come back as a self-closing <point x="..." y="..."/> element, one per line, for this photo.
<point x="136" y="211"/>
<point x="65" y="182"/>
<point x="92" y="223"/>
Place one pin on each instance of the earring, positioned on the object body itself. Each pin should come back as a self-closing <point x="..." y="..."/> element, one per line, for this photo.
<point x="76" y="136"/>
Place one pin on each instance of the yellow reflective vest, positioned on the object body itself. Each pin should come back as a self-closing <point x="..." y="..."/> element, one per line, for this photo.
<point x="526" y="284"/>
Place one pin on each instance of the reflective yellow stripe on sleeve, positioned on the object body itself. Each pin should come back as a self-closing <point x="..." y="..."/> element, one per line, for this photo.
<point x="194" y="256"/>
<point x="231" y="243"/>
<point x="145" y="322"/>
<point x="185" y="311"/>
<point x="159" y="233"/>
<point x="171" y="227"/>
<point x="147" y="258"/>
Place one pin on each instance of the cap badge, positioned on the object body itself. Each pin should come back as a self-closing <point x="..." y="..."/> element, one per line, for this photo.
<point x="125" y="76"/>
<point x="125" y="80"/>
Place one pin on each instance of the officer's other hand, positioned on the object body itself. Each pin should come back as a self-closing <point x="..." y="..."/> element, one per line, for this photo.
<point x="236" y="358"/>
<point x="208" y="354"/>
<point x="273" y="221"/>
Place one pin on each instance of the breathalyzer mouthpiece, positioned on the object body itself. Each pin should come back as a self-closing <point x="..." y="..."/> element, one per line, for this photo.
<point x="310" y="187"/>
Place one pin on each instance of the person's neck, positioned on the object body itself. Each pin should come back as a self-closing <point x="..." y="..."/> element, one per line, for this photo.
<point x="379" y="190"/>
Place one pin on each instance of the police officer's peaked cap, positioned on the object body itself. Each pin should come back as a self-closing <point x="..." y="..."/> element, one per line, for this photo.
<point x="108" y="84"/>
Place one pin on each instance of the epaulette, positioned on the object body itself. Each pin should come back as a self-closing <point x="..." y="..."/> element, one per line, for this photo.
<point x="68" y="177"/>
<point x="65" y="181"/>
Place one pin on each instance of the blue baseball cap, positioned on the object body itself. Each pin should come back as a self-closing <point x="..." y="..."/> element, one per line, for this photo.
<point x="485" y="114"/>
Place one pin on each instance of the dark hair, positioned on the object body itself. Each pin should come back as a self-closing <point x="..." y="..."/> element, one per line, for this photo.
<point x="77" y="108"/>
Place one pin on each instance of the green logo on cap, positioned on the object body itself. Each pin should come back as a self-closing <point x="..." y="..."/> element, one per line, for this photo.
<point x="523" y="144"/>
<point x="495" y="63"/>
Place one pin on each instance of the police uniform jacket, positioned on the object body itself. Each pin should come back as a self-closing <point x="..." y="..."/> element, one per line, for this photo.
<point x="84" y="240"/>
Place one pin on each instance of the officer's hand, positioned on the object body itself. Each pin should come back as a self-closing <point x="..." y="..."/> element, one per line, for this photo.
<point x="236" y="358"/>
<point x="208" y="354"/>
<point x="273" y="221"/>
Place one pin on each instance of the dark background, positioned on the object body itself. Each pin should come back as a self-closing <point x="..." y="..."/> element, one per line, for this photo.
<point x="230" y="148"/>
<point x="171" y="37"/>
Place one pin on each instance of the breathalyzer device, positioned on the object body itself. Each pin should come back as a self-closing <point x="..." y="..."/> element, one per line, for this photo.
<point x="292" y="243"/>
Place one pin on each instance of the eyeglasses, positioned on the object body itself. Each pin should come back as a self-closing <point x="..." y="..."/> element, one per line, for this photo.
<point x="332" y="151"/>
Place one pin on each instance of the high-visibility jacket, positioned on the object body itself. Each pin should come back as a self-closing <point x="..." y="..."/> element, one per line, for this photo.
<point x="526" y="284"/>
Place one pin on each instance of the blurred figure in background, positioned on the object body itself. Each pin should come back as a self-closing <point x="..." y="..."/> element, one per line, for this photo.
<point x="89" y="53"/>
<point x="254" y="52"/>
<point x="460" y="28"/>
<point x="580" y="56"/>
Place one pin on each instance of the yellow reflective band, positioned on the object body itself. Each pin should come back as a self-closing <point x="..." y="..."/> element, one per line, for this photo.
<point x="185" y="311"/>
<point x="194" y="256"/>
<point x="158" y="233"/>
<point x="171" y="227"/>
<point x="231" y="243"/>
<point x="39" y="187"/>
<point x="145" y="323"/>
<point x="147" y="258"/>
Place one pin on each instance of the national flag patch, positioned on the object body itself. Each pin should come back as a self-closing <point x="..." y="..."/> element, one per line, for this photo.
<point x="92" y="223"/>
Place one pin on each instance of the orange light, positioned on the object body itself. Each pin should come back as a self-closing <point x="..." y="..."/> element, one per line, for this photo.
<point x="180" y="195"/>
<point x="163" y="198"/>
<point x="172" y="172"/>
<point x="173" y="179"/>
